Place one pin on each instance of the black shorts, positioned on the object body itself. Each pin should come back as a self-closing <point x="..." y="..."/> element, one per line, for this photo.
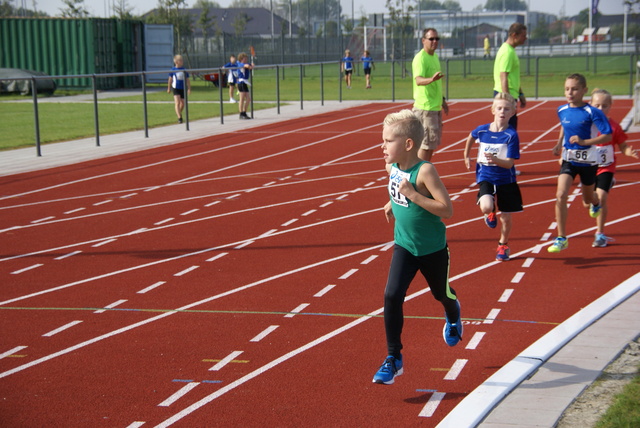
<point x="179" y="92"/>
<point x="587" y="173"/>
<point x="347" y="72"/>
<point x="508" y="196"/>
<point x="367" y="71"/>
<point x="605" y="181"/>
<point x="243" y="87"/>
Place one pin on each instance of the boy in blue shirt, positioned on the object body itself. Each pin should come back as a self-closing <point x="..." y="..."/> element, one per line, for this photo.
<point x="177" y="79"/>
<point x="577" y="143"/>
<point x="367" y="65"/>
<point x="232" y="71"/>
<point x="495" y="170"/>
<point x="346" y="66"/>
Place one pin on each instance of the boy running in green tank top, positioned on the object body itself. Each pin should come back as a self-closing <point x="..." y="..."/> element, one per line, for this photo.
<point x="418" y="202"/>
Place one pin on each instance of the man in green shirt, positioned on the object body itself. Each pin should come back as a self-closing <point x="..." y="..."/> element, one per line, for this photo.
<point x="506" y="68"/>
<point x="427" y="93"/>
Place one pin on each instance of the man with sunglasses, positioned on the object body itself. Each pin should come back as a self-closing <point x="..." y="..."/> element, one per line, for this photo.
<point x="506" y="68"/>
<point x="427" y="93"/>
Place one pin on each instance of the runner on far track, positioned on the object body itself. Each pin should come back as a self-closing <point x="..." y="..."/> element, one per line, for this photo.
<point x="418" y="202"/>
<point x="499" y="147"/>
<point x="577" y="144"/>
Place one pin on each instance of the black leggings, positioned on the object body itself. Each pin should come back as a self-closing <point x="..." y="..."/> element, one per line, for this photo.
<point x="404" y="267"/>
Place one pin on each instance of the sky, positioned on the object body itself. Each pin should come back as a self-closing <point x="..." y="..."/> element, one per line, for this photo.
<point x="100" y="8"/>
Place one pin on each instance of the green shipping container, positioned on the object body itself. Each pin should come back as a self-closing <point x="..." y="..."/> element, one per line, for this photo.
<point x="63" y="47"/>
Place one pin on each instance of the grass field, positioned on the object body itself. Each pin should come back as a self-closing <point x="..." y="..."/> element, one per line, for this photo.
<point x="62" y="121"/>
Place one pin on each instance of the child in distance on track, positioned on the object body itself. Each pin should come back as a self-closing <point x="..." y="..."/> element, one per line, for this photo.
<point x="367" y="65"/>
<point x="602" y="99"/>
<point x="418" y="201"/>
<point x="244" y="76"/>
<point x="577" y="145"/>
<point x="499" y="147"/>
<point x="346" y="66"/>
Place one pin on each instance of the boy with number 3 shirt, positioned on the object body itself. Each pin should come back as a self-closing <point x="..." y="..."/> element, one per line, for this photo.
<point x="581" y="123"/>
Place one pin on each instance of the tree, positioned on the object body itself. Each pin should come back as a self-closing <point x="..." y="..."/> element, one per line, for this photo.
<point x="205" y="22"/>
<point x="201" y="4"/>
<point x="240" y="23"/>
<point x="508" y="5"/>
<point x="74" y="9"/>
<point x="122" y="10"/>
<point x="452" y="6"/>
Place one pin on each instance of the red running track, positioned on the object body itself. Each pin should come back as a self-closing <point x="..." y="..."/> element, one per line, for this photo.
<point x="238" y="279"/>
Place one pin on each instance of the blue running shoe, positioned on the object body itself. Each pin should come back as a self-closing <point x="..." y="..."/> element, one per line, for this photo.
<point x="491" y="220"/>
<point x="594" y="210"/>
<point x="452" y="332"/>
<point x="391" y="368"/>
<point x="601" y="240"/>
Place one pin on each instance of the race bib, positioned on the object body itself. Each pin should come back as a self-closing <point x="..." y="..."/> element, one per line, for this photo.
<point x="605" y="155"/>
<point x="500" y="150"/>
<point x="395" y="178"/>
<point x="588" y="156"/>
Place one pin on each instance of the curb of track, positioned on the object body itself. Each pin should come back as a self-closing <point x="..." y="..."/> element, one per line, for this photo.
<point x="480" y="402"/>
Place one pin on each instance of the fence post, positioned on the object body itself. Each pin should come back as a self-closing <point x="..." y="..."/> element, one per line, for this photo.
<point x="446" y="67"/>
<point x="144" y="104"/>
<point x="220" y="84"/>
<point x="537" y="74"/>
<point x="278" y="87"/>
<point x="340" y="86"/>
<point x="186" y="102"/>
<point x="322" y="84"/>
<point x="393" y="80"/>
<point x="36" y="117"/>
<point x="95" y="109"/>
<point x="301" y="75"/>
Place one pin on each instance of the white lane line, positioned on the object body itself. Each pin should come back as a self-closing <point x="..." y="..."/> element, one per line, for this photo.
<point x="166" y="220"/>
<point x="75" y="211"/>
<point x="288" y="223"/>
<point x="264" y="334"/>
<point x="40" y="220"/>
<point x="455" y="370"/>
<point x="269" y="183"/>
<point x="348" y="273"/>
<point x="11" y="351"/>
<point x="19" y="271"/>
<point x="190" y="211"/>
<point x="341" y="197"/>
<point x="429" y="409"/>
<point x="129" y="195"/>
<point x="324" y="291"/>
<point x="475" y="340"/>
<point x="308" y="213"/>
<point x="297" y="310"/>
<point x="244" y="244"/>
<point x="100" y="244"/>
<point x="371" y="183"/>
<point x="63" y="328"/>
<point x="151" y="287"/>
<point x="150" y="189"/>
<point x="73" y="253"/>
<point x="216" y="257"/>
<point x="536" y="249"/>
<point x="136" y="424"/>
<point x="268" y="233"/>
<point x="368" y="260"/>
<point x="226" y="360"/>
<point x="553" y="225"/>
<point x="106" y="201"/>
<point x="545" y="236"/>
<point x="528" y="262"/>
<point x="179" y="394"/>
<point x="493" y="314"/>
<point x="387" y="247"/>
<point x="186" y="271"/>
<point x="112" y="305"/>
<point x="517" y="278"/>
<point x="505" y="296"/>
<point x="326" y="204"/>
<point x="210" y="204"/>
<point x="233" y="196"/>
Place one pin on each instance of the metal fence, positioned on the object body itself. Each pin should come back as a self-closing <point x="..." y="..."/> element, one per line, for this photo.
<point x="466" y="67"/>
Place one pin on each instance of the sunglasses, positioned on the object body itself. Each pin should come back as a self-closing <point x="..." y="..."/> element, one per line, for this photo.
<point x="433" y="39"/>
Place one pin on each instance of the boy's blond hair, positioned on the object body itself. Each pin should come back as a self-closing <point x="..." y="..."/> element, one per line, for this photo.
<point x="177" y="57"/>
<point x="405" y="124"/>
<point x="504" y="96"/>
<point x="242" y="56"/>
<point x="603" y="92"/>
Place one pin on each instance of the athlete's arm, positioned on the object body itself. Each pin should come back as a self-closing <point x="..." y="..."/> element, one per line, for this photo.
<point x="428" y="183"/>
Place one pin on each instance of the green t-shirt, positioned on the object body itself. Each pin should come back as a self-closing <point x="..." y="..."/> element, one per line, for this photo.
<point x="427" y="97"/>
<point x="415" y="229"/>
<point x="507" y="61"/>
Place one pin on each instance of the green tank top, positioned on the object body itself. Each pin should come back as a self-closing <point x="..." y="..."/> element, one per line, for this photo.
<point x="416" y="229"/>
